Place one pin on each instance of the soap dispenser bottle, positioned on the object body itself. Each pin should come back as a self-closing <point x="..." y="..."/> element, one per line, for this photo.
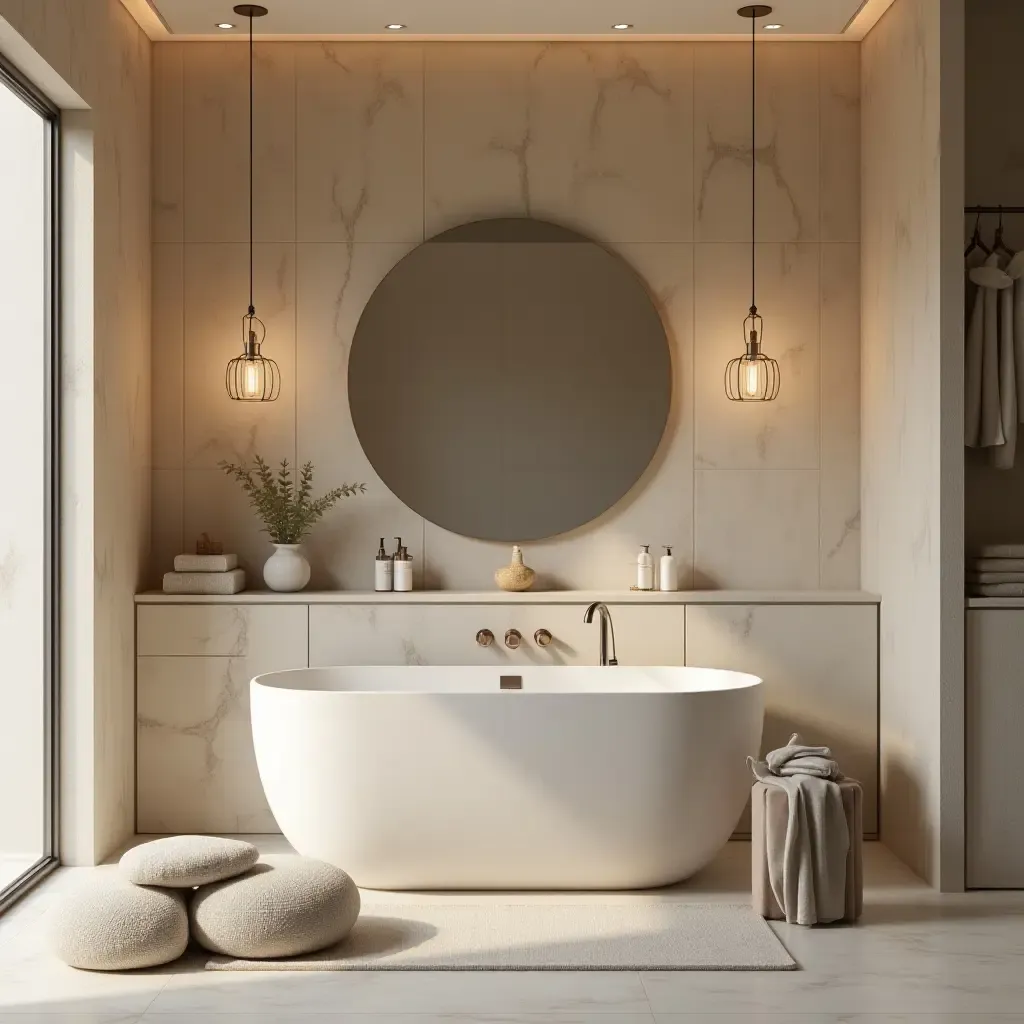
<point x="403" y="568"/>
<point x="645" y="569"/>
<point x="383" y="570"/>
<point x="668" y="571"/>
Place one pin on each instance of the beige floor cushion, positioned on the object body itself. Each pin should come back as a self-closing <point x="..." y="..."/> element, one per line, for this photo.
<point x="182" y="862"/>
<point x="111" y="925"/>
<point x="283" y="906"/>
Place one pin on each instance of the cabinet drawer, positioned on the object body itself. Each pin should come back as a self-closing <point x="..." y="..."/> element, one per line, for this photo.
<point x="218" y="630"/>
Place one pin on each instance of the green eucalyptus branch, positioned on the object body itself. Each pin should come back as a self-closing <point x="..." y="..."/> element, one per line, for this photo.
<point x="288" y="513"/>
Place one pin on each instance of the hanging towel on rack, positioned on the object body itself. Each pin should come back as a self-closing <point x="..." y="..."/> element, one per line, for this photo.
<point x="983" y="412"/>
<point x="1011" y="363"/>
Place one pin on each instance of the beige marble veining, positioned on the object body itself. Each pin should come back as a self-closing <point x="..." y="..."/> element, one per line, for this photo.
<point x="642" y="146"/>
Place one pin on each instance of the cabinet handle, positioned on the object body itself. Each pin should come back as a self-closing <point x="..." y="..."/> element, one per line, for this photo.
<point x="543" y="637"/>
<point x="484" y="637"/>
<point x="513" y="638"/>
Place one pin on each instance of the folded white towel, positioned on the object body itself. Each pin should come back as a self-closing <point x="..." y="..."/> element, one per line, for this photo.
<point x="996" y="565"/>
<point x="1001" y="551"/>
<point x="232" y="582"/>
<point x="819" y="767"/>
<point x="996" y="590"/>
<point x="205" y="563"/>
<point x="995" y="577"/>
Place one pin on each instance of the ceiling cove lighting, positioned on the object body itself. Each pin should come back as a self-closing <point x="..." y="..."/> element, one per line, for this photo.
<point x="251" y="377"/>
<point x="753" y="376"/>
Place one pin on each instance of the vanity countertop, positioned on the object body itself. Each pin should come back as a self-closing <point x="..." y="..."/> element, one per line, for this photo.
<point x="530" y="597"/>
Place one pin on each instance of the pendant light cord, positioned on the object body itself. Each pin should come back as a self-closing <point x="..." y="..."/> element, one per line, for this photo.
<point x="753" y="164"/>
<point x="252" y="307"/>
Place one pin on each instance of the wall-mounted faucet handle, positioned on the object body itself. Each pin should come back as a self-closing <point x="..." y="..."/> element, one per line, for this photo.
<point x="543" y="637"/>
<point x="513" y="638"/>
<point x="484" y="637"/>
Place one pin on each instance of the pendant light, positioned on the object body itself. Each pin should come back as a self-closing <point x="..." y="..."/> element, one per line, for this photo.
<point x="251" y="377"/>
<point x="753" y="376"/>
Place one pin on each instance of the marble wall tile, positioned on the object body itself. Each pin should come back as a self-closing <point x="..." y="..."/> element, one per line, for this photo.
<point x="756" y="529"/>
<point x="215" y="109"/>
<point x="617" y="140"/>
<point x="168" y="144"/>
<point x="216" y="505"/>
<point x="216" y="290"/>
<point x="168" y="504"/>
<point x="840" y="416"/>
<point x="839" y="142"/>
<point x="168" y="355"/>
<point x="772" y="435"/>
<point x="594" y="137"/>
<point x="787" y="142"/>
<point x="335" y="280"/>
<point x="359" y="143"/>
<point x="820" y="671"/>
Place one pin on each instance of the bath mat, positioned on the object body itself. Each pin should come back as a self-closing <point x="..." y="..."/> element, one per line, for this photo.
<point x="649" y="936"/>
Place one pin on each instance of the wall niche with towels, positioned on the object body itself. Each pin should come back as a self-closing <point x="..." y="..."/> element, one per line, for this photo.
<point x="510" y="379"/>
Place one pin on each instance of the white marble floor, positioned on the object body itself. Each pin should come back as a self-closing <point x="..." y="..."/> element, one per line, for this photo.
<point x="917" y="957"/>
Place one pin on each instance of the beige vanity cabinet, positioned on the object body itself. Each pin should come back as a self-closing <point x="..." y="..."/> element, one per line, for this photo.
<point x="994" y="767"/>
<point x="195" y="768"/>
<point x="820" y="669"/>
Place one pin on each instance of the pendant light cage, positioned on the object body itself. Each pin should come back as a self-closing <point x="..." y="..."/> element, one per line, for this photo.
<point x="753" y="376"/>
<point x="252" y="377"/>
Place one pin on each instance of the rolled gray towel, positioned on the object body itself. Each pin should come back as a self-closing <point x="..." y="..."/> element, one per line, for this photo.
<point x="795" y="748"/>
<point x="819" y="767"/>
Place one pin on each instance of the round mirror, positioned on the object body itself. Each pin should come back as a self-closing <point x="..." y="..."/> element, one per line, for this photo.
<point x="510" y="379"/>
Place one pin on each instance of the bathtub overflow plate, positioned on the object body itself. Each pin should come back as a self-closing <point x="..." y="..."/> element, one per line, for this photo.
<point x="511" y="682"/>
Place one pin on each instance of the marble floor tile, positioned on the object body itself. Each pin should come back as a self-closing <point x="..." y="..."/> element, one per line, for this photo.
<point x="585" y="1017"/>
<point x="442" y="992"/>
<point x="917" y="957"/>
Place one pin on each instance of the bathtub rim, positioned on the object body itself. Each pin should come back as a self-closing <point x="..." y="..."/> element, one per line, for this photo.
<point x="280" y="680"/>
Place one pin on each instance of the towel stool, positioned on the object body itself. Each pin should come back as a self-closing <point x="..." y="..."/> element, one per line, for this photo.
<point x="771" y="803"/>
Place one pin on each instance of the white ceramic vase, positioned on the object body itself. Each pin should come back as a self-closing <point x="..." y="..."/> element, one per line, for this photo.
<point x="286" y="570"/>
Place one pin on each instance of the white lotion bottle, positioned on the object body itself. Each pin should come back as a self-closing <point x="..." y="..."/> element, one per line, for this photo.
<point x="668" y="571"/>
<point x="403" y="569"/>
<point x="383" y="570"/>
<point x="645" y="569"/>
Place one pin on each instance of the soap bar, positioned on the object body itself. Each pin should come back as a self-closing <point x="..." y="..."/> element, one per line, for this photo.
<point x="205" y="563"/>
<point x="204" y="582"/>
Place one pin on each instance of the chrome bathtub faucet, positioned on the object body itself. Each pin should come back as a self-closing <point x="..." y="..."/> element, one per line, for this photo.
<point x="607" y="631"/>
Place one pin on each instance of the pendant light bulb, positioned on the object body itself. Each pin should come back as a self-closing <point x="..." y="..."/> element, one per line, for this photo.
<point x="251" y="377"/>
<point x="753" y="376"/>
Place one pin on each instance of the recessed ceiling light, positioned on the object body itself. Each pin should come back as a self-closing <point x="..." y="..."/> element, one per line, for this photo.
<point x="772" y="28"/>
<point x="394" y="27"/>
<point x="622" y="26"/>
<point x="224" y="25"/>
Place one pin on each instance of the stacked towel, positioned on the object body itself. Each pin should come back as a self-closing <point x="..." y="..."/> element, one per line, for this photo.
<point x="996" y="571"/>
<point x="205" y="574"/>
<point x="808" y="870"/>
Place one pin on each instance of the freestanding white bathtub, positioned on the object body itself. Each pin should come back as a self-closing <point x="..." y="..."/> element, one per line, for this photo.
<point x="436" y="778"/>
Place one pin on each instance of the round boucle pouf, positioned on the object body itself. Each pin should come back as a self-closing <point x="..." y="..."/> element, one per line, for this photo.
<point x="112" y="925"/>
<point x="183" y="862"/>
<point x="283" y="906"/>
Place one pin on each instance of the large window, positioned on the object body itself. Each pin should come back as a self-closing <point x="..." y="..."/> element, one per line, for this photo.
<point x="28" y="415"/>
